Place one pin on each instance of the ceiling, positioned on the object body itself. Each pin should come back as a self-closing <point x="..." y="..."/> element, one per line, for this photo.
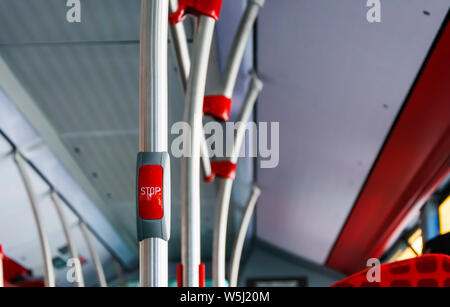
<point x="335" y="83"/>
<point x="18" y="233"/>
<point x="409" y="170"/>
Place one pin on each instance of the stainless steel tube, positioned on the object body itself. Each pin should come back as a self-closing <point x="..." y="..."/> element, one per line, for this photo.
<point x="240" y="239"/>
<point x="153" y="121"/>
<point x="225" y="187"/>
<point x="72" y="248"/>
<point x="49" y="274"/>
<point x="190" y="206"/>
<point x="94" y="255"/>
<point x="255" y="88"/>
<point x="239" y="44"/>
<point x="204" y="153"/>
<point x="153" y="76"/>
<point x="154" y="268"/>
<point x="220" y="232"/>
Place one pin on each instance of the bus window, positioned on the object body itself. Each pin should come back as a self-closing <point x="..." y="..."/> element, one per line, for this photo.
<point x="444" y="216"/>
<point x="416" y="242"/>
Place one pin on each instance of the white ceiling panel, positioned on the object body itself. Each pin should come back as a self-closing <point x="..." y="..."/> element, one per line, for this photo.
<point x="335" y="83"/>
<point x="44" y="21"/>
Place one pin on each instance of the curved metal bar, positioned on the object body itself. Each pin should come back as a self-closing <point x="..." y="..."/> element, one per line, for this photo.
<point x="204" y="154"/>
<point x="220" y="232"/>
<point x="120" y="275"/>
<point x="256" y="86"/>
<point x="153" y="76"/>
<point x="94" y="255"/>
<point x="180" y="45"/>
<point x="240" y="239"/>
<point x="190" y="205"/>
<point x="181" y="49"/>
<point x="225" y="187"/>
<point x="70" y="244"/>
<point x="153" y="121"/>
<point x="49" y="274"/>
<point x="239" y="44"/>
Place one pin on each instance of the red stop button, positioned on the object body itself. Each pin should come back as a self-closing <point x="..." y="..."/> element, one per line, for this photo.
<point x="150" y="190"/>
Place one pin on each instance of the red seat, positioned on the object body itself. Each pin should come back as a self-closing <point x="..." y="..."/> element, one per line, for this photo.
<point x="424" y="271"/>
<point x="15" y="275"/>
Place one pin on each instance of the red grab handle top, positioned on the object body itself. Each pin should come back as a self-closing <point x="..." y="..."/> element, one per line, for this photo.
<point x="217" y="106"/>
<point x="210" y="8"/>
<point x="223" y="169"/>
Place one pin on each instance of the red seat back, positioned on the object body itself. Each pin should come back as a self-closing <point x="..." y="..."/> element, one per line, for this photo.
<point x="424" y="271"/>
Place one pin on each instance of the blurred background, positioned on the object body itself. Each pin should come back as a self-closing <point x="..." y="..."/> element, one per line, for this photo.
<point x="364" y="137"/>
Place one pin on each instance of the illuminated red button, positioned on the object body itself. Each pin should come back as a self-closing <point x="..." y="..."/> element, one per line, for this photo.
<point x="151" y="192"/>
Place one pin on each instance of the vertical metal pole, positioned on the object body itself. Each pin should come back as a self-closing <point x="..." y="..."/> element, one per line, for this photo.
<point x="239" y="44"/>
<point x="153" y="121"/>
<point x="94" y="255"/>
<point x="190" y="206"/>
<point x="225" y="187"/>
<point x="2" y="281"/>
<point x="240" y="239"/>
<point x="72" y="248"/>
<point x="49" y="274"/>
